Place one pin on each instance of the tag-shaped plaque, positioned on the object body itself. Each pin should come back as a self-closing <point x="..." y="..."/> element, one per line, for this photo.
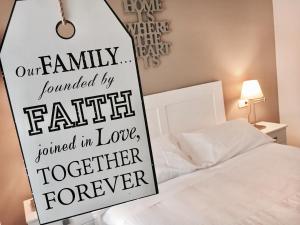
<point x="78" y="107"/>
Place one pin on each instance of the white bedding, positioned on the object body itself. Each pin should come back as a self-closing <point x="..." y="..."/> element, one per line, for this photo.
<point x="260" y="187"/>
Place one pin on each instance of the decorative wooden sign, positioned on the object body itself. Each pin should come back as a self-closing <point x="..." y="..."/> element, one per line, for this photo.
<point x="147" y="31"/>
<point x="78" y="107"/>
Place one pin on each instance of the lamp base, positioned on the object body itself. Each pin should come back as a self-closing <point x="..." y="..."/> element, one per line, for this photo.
<point x="252" y="117"/>
<point x="259" y="127"/>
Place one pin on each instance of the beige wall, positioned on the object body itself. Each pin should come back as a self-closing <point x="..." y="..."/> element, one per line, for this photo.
<point x="287" y="30"/>
<point x="228" y="40"/>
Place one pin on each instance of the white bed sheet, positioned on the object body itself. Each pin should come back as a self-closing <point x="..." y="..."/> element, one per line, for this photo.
<point x="261" y="187"/>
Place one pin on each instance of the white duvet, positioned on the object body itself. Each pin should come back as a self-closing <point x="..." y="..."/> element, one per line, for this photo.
<point x="261" y="187"/>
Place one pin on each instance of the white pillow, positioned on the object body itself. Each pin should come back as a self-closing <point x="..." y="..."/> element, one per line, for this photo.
<point x="169" y="160"/>
<point x="220" y="143"/>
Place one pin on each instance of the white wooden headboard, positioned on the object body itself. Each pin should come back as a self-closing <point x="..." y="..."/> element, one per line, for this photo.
<point x="185" y="109"/>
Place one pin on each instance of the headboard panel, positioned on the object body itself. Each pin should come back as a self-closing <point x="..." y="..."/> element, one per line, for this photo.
<point x="185" y="109"/>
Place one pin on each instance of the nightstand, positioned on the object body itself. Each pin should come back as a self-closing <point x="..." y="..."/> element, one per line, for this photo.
<point x="275" y="130"/>
<point x="31" y="217"/>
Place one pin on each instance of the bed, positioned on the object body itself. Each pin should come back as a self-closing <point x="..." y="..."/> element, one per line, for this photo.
<point x="258" y="187"/>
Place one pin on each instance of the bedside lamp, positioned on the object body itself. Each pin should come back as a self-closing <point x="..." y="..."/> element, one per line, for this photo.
<point x="251" y="95"/>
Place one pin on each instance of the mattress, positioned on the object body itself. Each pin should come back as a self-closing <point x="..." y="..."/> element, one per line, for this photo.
<point x="260" y="187"/>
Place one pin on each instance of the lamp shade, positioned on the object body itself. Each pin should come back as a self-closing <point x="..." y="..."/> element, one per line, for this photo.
<point x="251" y="90"/>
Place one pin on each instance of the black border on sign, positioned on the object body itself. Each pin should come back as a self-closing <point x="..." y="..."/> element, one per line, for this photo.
<point x="144" y="113"/>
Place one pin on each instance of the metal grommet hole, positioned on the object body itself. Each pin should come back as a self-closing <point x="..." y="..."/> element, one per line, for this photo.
<point x="65" y="30"/>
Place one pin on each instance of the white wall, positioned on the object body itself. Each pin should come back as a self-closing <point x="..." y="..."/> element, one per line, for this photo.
<point x="287" y="35"/>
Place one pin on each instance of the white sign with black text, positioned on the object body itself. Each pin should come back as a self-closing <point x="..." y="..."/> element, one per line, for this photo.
<point x="78" y="107"/>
